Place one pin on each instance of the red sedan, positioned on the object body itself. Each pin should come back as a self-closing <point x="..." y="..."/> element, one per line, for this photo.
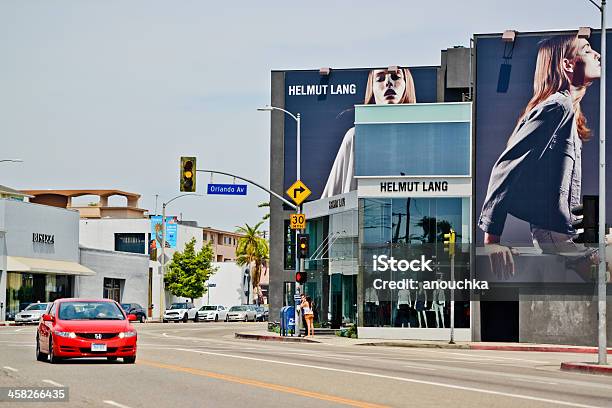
<point x="86" y="328"/>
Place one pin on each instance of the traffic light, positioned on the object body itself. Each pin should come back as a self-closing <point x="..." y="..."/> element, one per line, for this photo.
<point x="587" y="223"/>
<point x="188" y="174"/>
<point x="303" y="244"/>
<point x="301" y="277"/>
<point x="449" y="242"/>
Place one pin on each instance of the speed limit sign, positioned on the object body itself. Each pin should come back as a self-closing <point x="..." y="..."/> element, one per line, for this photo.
<point x="298" y="221"/>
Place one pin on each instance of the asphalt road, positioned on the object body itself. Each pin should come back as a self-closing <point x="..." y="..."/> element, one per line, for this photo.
<point x="203" y="365"/>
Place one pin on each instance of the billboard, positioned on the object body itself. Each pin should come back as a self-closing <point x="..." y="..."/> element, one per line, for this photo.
<point x="171" y="230"/>
<point x="536" y="143"/>
<point x="326" y="105"/>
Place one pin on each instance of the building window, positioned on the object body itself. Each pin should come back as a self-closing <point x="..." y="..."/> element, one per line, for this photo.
<point x="428" y="149"/>
<point x="112" y="289"/>
<point x="205" y="236"/>
<point x="129" y="242"/>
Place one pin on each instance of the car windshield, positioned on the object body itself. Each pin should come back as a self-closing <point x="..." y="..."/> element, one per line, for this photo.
<point x="179" y="306"/>
<point x="89" y="311"/>
<point x="208" y="308"/>
<point x="238" y="309"/>
<point x="37" y="306"/>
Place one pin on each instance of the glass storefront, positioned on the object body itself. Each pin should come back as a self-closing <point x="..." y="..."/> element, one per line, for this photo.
<point x="25" y="288"/>
<point x="411" y="230"/>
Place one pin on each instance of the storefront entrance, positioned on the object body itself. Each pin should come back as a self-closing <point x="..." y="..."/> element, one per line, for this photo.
<point x="25" y="288"/>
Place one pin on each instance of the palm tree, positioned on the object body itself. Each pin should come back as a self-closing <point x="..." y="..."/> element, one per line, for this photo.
<point x="253" y="251"/>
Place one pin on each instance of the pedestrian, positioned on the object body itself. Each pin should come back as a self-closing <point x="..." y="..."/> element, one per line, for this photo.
<point x="308" y="313"/>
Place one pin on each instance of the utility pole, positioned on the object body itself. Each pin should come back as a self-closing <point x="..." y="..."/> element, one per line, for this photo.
<point x="162" y="260"/>
<point x="602" y="356"/>
<point x="601" y="287"/>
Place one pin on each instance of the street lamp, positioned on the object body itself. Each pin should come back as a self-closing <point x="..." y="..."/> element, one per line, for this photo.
<point x="298" y="266"/>
<point x="163" y="255"/>
<point x="601" y="284"/>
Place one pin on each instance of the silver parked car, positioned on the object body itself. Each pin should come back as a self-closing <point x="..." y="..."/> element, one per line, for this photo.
<point x="31" y="314"/>
<point x="212" y="312"/>
<point x="243" y="313"/>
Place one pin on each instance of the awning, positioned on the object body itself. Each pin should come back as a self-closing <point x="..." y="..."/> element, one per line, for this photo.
<point x="37" y="265"/>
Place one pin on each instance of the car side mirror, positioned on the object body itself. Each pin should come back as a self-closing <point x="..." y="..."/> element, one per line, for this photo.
<point x="132" y="317"/>
<point x="48" y="318"/>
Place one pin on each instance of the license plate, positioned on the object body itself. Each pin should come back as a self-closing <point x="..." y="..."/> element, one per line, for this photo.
<point x="98" y="347"/>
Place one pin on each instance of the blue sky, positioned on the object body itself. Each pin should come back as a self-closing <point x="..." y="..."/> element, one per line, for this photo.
<point x="108" y="94"/>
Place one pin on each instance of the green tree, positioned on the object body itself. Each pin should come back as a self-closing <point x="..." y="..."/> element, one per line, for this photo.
<point x="253" y="251"/>
<point x="265" y="205"/>
<point x="189" y="271"/>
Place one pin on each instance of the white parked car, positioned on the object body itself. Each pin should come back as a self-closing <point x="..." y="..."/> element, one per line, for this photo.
<point x="212" y="312"/>
<point x="180" y="311"/>
<point x="243" y="313"/>
<point x="31" y="314"/>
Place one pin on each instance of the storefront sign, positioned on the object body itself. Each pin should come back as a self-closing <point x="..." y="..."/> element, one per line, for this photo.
<point x="337" y="203"/>
<point x="415" y="187"/>
<point x="43" y="238"/>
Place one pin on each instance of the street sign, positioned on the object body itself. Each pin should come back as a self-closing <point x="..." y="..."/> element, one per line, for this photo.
<point x="298" y="192"/>
<point x="227" y="189"/>
<point x="298" y="221"/>
<point x="212" y="285"/>
<point x="165" y="260"/>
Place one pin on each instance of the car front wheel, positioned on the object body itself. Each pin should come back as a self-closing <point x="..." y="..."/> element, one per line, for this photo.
<point x="185" y="318"/>
<point x="196" y="318"/>
<point x="143" y="319"/>
<point x="53" y="359"/>
<point x="216" y="318"/>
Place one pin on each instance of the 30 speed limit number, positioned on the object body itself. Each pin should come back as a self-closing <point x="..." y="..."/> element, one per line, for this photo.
<point x="298" y="221"/>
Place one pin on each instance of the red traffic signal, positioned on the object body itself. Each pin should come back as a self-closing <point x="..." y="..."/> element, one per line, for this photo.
<point x="301" y="277"/>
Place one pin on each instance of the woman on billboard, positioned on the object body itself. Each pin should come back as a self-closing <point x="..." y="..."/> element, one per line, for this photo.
<point x="537" y="178"/>
<point x="384" y="87"/>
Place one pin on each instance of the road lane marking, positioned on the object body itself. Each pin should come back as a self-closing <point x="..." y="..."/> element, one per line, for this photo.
<point x="115" y="404"/>
<point x="485" y="357"/>
<point x="420" y="367"/>
<point x="261" y="384"/>
<point x="404" y="379"/>
<point x="10" y="368"/>
<point x="53" y="383"/>
<point x="536" y="381"/>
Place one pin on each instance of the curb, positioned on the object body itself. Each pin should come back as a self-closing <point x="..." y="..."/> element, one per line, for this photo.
<point x="417" y="345"/>
<point x="545" y="349"/>
<point x="589" y="368"/>
<point x="262" y="337"/>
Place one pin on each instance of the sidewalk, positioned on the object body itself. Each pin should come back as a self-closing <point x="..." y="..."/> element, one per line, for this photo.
<point x="345" y="341"/>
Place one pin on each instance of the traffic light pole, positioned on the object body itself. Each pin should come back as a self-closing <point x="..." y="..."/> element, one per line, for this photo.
<point x="601" y="287"/>
<point x="452" y="301"/>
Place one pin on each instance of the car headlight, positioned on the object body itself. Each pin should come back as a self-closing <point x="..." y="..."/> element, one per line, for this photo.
<point x="71" y="335"/>
<point x="123" y="335"/>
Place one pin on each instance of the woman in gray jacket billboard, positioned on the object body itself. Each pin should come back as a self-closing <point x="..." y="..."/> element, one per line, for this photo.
<point x="537" y="178"/>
